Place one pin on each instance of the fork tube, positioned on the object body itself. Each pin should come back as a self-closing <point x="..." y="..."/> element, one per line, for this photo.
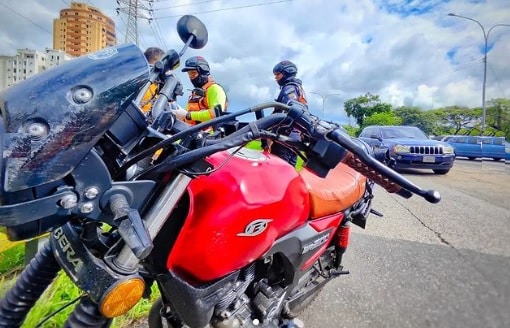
<point x="156" y="217"/>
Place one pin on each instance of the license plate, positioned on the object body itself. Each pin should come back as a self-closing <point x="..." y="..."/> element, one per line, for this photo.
<point x="429" y="159"/>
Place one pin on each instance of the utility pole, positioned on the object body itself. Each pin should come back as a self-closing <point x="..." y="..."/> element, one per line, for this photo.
<point x="324" y="97"/>
<point x="134" y="9"/>
<point x="485" y="50"/>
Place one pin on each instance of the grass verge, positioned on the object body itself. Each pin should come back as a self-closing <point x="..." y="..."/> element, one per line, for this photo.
<point x="12" y="260"/>
<point x="58" y="294"/>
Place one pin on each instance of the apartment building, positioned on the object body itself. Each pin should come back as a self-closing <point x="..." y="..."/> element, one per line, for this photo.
<point x="26" y="63"/>
<point x="82" y="29"/>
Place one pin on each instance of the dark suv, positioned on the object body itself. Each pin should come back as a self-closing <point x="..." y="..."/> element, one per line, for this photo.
<point x="402" y="147"/>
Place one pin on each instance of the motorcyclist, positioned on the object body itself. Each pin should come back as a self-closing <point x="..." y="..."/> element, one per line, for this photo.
<point x="291" y="89"/>
<point x="152" y="54"/>
<point x="206" y="96"/>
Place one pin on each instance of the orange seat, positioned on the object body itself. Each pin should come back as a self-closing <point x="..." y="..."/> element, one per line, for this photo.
<point x="339" y="190"/>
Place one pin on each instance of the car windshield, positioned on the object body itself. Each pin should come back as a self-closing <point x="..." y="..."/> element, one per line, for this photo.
<point x="403" y="132"/>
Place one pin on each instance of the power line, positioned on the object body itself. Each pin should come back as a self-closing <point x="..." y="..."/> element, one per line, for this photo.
<point x="158" y="35"/>
<point x="189" y="4"/>
<point x="143" y="42"/>
<point x="28" y="19"/>
<point x="231" y="8"/>
<point x="496" y="78"/>
<point x="157" y="31"/>
<point x="123" y="21"/>
<point x="467" y="65"/>
<point x="133" y="9"/>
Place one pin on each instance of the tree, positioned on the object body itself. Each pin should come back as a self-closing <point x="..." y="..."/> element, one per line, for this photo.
<point x="457" y="119"/>
<point x="352" y="130"/>
<point x="447" y="120"/>
<point x="385" y="118"/>
<point x="498" y="116"/>
<point x="364" y="106"/>
<point x="415" y="116"/>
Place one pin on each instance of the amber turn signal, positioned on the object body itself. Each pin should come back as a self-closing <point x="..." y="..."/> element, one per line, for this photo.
<point x="121" y="297"/>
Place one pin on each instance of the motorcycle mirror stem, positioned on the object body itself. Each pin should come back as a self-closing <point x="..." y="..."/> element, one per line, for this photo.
<point x="194" y="34"/>
<point x="170" y="61"/>
<point x="188" y="42"/>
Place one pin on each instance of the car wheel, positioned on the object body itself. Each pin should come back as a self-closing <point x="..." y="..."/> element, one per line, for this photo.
<point x="388" y="160"/>
<point x="441" y="171"/>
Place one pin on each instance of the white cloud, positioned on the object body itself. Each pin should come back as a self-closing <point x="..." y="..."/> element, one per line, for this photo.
<point x="407" y="52"/>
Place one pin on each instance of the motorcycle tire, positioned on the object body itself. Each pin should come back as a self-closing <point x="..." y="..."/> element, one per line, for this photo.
<point x="296" y="310"/>
<point x="86" y="314"/>
<point x="155" y="319"/>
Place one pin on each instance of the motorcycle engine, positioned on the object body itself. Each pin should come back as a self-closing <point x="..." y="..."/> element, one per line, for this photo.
<point x="238" y="310"/>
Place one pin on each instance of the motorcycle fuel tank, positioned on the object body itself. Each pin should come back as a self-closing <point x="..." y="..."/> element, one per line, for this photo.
<point x="236" y="214"/>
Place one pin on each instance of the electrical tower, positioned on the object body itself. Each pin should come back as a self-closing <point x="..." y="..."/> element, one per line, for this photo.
<point x="134" y="9"/>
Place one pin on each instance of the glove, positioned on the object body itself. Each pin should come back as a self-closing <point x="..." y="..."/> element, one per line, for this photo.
<point x="173" y="105"/>
<point x="180" y="113"/>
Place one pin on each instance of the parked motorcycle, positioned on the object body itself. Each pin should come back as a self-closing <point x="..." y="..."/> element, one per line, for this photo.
<point x="232" y="236"/>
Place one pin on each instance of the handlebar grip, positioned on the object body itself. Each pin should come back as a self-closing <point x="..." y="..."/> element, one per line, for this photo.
<point x="352" y="161"/>
<point x="362" y="161"/>
<point x="356" y="164"/>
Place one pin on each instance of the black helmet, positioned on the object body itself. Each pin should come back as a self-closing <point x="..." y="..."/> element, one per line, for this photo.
<point x="197" y="63"/>
<point x="286" y="67"/>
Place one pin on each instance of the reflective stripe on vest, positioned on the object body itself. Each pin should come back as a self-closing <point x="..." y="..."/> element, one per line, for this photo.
<point x="196" y="104"/>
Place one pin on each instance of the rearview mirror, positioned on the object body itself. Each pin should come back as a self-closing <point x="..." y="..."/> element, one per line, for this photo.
<point x="190" y="26"/>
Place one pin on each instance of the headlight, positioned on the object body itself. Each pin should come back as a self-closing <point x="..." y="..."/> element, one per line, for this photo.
<point x="448" y="150"/>
<point x="401" y="149"/>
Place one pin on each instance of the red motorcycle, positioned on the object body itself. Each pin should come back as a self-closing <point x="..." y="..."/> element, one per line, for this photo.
<point x="233" y="237"/>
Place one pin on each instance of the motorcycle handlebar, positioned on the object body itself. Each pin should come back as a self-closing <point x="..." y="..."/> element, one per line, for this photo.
<point x="165" y="95"/>
<point x="252" y="131"/>
<point x="194" y="129"/>
<point x="360" y="160"/>
<point x="300" y="117"/>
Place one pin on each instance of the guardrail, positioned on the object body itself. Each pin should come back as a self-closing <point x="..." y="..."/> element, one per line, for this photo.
<point x="5" y="244"/>
<point x="31" y="245"/>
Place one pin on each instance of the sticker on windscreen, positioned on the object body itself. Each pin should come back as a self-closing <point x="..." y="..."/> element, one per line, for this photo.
<point x="103" y="54"/>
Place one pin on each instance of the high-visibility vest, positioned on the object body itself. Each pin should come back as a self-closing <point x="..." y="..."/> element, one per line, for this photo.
<point x="149" y="97"/>
<point x="199" y="101"/>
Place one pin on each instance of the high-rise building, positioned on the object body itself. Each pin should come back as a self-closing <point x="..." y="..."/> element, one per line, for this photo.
<point x="82" y="29"/>
<point x="27" y="63"/>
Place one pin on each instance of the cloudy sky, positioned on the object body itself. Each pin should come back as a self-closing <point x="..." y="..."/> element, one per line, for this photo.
<point x="409" y="52"/>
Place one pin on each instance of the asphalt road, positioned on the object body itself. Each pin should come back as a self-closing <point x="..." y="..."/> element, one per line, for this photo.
<point x="428" y="265"/>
